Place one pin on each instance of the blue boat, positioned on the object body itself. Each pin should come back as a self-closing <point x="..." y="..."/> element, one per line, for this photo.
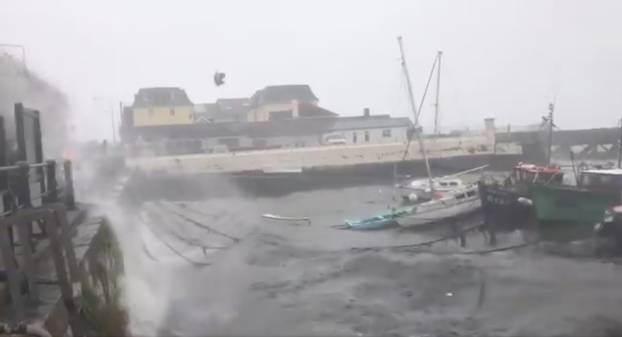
<point x="381" y="221"/>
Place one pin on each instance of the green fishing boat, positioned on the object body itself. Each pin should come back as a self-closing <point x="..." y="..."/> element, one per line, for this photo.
<point x="585" y="203"/>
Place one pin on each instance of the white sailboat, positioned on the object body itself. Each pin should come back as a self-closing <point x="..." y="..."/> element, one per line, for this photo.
<point x="418" y="190"/>
<point x="453" y="204"/>
<point x="453" y="199"/>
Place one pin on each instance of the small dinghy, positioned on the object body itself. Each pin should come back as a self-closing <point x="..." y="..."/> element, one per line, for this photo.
<point x="380" y="221"/>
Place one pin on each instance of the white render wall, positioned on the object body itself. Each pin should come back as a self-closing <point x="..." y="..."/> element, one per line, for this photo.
<point x="308" y="157"/>
<point x="398" y="135"/>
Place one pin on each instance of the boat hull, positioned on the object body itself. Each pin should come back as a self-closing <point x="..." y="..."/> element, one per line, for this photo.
<point x="440" y="213"/>
<point x="568" y="204"/>
<point x="501" y="204"/>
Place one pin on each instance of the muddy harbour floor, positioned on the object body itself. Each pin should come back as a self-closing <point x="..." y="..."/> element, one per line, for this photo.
<point x="216" y="267"/>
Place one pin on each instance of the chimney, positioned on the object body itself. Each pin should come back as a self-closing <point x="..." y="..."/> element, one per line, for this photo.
<point x="491" y="132"/>
<point x="366" y="112"/>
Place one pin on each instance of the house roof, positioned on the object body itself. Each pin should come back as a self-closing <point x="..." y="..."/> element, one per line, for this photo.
<point x="283" y="93"/>
<point x="286" y="127"/>
<point x="161" y="96"/>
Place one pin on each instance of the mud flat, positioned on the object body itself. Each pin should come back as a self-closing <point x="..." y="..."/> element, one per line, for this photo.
<point x="279" y="278"/>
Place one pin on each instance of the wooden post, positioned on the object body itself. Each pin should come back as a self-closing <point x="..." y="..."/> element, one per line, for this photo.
<point x="70" y="200"/>
<point x="10" y="266"/>
<point x="23" y="185"/>
<point x="65" y="232"/>
<point x="52" y="227"/>
<point x="52" y="185"/>
<point x="25" y="238"/>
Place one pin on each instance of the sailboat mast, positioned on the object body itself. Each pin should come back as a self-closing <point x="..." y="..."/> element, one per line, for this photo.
<point x="415" y="113"/>
<point x="438" y="90"/>
<point x="550" y="140"/>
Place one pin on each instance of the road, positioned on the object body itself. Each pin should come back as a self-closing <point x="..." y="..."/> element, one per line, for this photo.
<point x="216" y="267"/>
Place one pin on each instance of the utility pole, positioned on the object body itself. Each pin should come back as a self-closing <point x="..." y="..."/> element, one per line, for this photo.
<point x="438" y="90"/>
<point x="413" y="105"/>
<point x="112" y="119"/>
<point x="620" y="146"/>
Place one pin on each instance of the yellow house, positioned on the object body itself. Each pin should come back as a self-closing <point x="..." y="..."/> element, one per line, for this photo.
<point x="280" y="102"/>
<point x="162" y="106"/>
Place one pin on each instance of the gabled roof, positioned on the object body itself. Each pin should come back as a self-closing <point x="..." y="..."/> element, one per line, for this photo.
<point x="161" y="96"/>
<point x="283" y="93"/>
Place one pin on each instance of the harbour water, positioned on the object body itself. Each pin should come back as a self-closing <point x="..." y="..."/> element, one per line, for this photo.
<point x="219" y="268"/>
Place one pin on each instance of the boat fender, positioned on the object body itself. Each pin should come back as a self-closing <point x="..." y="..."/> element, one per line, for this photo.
<point x="413" y="197"/>
<point x="525" y="201"/>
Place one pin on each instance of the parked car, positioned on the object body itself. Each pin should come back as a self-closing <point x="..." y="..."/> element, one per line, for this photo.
<point x="335" y="140"/>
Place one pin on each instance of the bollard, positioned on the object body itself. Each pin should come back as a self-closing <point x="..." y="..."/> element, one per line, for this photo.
<point x="23" y="185"/>
<point x="52" y="185"/>
<point x="70" y="201"/>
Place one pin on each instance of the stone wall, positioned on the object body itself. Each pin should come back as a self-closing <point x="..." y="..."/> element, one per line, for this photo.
<point x="315" y="157"/>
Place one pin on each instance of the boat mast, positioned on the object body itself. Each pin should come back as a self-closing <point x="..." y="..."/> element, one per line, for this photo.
<point x="438" y="88"/>
<point x="415" y="113"/>
<point x="550" y="140"/>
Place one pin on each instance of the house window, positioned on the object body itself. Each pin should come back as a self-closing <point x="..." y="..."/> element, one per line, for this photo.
<point x="299" y="143"/>
<point x="172" y="111"/>
<point x="354" y="137"/>
<point x="367" y="136"/>
<point x="386" y="133"/>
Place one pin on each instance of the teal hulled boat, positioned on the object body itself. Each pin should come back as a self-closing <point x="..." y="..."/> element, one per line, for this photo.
<point x="380" y="221"/>
<point x="585" y="203"/>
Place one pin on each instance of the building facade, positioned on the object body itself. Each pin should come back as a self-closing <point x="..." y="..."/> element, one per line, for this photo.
<point x="161" y="106"/>
<point x="283" y="102"/>
<point x="163" y="121"/>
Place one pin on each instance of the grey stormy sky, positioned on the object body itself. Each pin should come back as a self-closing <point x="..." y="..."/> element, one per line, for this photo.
<point x="505" y="59"/>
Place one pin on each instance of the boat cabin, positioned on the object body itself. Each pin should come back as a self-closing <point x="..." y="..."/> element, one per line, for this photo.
<point x="529" y="173"/>
<point x="601" y="179"/>
<point x="440" y="184"/>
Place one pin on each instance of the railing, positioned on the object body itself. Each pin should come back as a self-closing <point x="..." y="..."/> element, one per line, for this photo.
<point x="21" y="266"/>
<point x="33" y="223"/>
<point x="26" y="185"/>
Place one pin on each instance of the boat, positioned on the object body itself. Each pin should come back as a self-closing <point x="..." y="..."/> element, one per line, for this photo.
<point x="509" y="202"/>
<point x="380" y="221"/>
<point x="452" y="205"/>
<point x="418" y="190"/>
<point x="596" y="191"/>
<point x="610" y="228"/>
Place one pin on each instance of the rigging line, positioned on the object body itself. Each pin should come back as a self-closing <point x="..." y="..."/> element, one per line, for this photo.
<point x="420" y="106"/>
<point x="427" y="86"/>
